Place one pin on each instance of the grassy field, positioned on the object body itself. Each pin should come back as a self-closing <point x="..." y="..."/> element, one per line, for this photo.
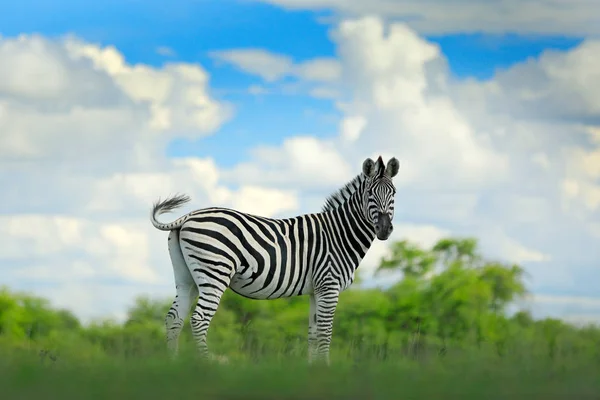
<point x="442" y="338"/>
<point x="26" y="375"/>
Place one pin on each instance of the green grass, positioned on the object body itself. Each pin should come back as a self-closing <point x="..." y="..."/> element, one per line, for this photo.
<point x="474" y="375"/>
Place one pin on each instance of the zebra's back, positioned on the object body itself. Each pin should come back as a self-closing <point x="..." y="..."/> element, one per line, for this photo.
<point x="265" y="258"/>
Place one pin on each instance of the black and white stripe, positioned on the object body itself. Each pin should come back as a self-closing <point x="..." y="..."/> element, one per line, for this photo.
<point x="213" y="249"/>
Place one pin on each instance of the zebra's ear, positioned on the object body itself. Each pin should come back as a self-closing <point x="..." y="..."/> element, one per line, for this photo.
<point x="368" y="167"/>
<point x="392" y="167"/>
<point x="380" y="167"/>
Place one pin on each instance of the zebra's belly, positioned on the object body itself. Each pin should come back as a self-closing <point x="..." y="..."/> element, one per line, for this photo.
<point x="248" y="287"/>
<point x="261" y="288"/>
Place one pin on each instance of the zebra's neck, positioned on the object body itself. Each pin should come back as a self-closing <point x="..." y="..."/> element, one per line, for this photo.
<point x="351" y="213"/>
<point x="344" y="194"/>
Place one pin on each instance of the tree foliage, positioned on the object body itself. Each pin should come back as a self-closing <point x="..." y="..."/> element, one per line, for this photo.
<point x="450" y="298"/>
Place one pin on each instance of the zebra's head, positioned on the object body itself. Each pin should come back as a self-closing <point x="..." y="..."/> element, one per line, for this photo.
<point x="378" y="196"/>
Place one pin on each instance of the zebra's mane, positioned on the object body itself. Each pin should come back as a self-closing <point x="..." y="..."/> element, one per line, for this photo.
<point x="342" y="195"/>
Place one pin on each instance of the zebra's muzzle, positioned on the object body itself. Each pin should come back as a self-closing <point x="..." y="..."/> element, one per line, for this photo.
<point x="383" y="227"/>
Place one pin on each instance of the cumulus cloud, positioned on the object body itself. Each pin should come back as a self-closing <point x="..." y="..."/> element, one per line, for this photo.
<point x="581" y="185"/>
<point x="392" y="75"/>
<point x="510" y="160"/>
<point x="177" y="94"/>
<point x="301" y="162"/>
<point x="556" y="86"/>
<point x="94" y="108"/>
<point x="269" y="66"/>
<point x="580" y="18"/>
<point x="317" y="77"/>
<point x="579" y="310"/>
<point x="82" y="159"/>
<point x="272" y="67"/>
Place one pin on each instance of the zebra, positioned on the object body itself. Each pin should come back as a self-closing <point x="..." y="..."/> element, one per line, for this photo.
<point x="213" y="249"/>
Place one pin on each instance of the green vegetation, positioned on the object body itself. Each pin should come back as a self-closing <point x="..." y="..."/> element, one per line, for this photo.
<point x="440" y="332"/>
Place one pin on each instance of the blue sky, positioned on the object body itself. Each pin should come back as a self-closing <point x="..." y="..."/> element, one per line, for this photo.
<point x="192" y="29"/>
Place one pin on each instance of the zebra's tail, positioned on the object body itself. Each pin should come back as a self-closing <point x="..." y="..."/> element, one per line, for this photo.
<point x="167" y="205"/>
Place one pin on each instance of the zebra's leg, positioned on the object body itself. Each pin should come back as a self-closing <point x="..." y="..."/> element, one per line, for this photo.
<point x="326" y="300"/>
<point x="312" y="328"/>
<point x="211" y="281"/>
<point x="210" y="293"/>
<point x="186" y="291"/>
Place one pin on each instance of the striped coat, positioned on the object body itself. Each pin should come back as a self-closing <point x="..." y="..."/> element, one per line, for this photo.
<point x="215" y="248"/>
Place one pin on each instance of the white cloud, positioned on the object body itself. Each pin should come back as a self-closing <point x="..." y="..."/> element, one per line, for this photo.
<point x="165" y="51"/>
<point x="52" y="235"/>
<point x="578" y="310"/>
<point x="575" y="18"/>
<point x="63" y="250"/>
<point x="82" y="159"/>
<point x="484" y="159"/>
<point x="352" y="127"/>
<point x="541" y="159"/>
<point x="263" y="201"/>
<point x="87" y="99"/>
<point x="319" y="69"/>
<point x="324" y="92"/>
<point x="178" y="93"/>
<point x="302" y="161"/>
<point x="392" y="75"/>
<point x="318" y="77"/>
<point x="581" y="186"/>
<point x="272" y="67"/>
<point x="558" y="85"/>
<point x="497" y="244"/>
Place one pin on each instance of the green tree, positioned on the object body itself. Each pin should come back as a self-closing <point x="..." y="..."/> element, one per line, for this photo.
<point x="506" y="283"/>
<point x="452" y="250"/>
<point x="408" y="258"/>
<point x="146" y="310"/>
